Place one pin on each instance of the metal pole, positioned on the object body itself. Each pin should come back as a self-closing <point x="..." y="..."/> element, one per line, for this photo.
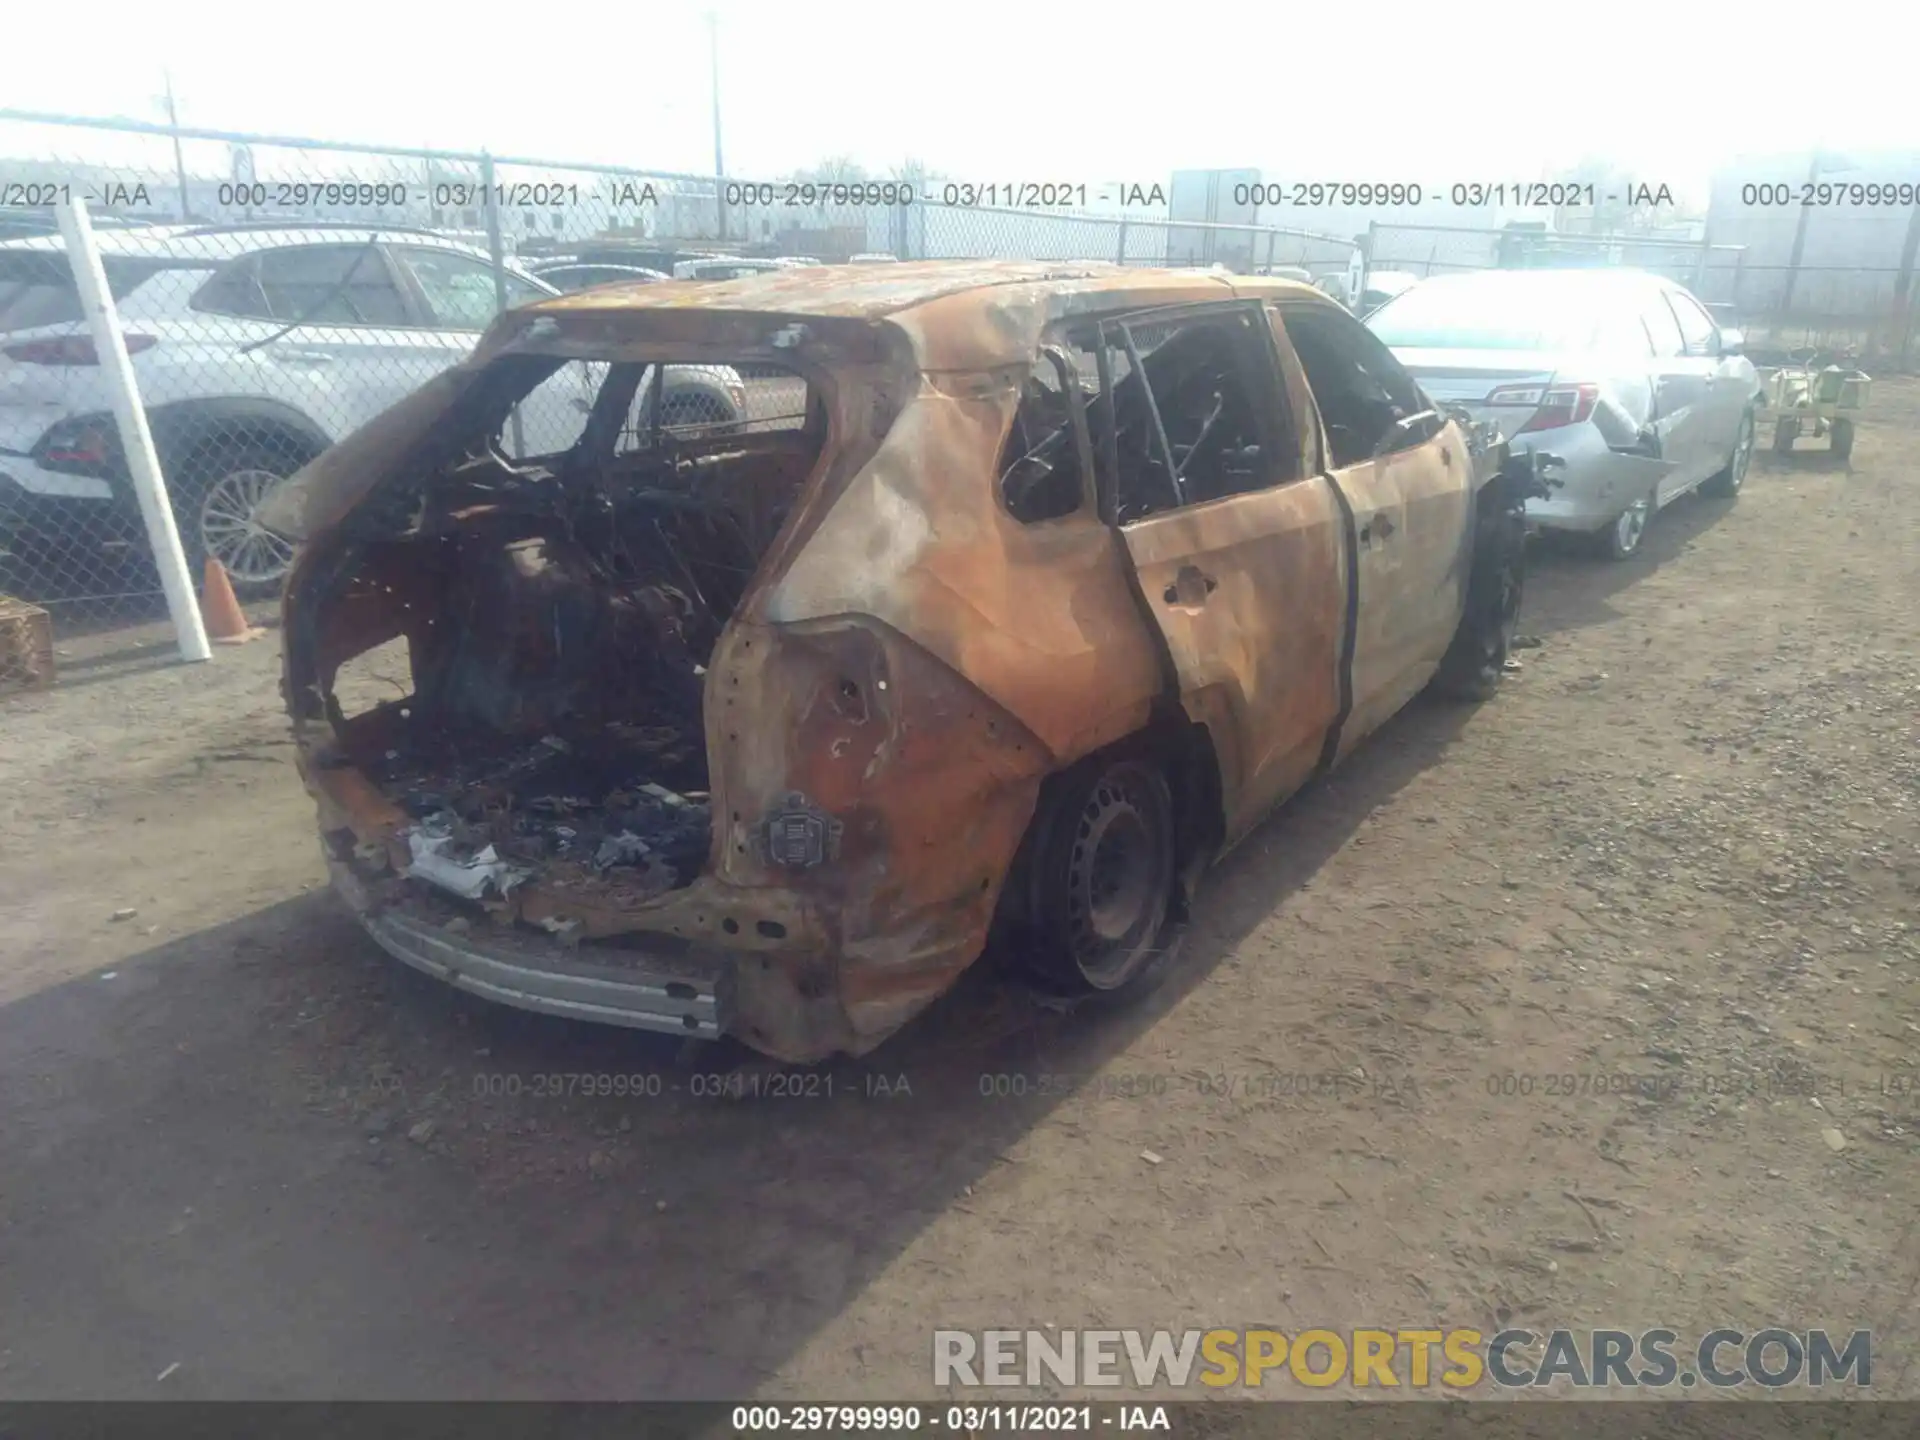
<point x="498" y="250"/>
<point x="719" y="163"/>
<point x="1120" y="258"/>
<point x="179" y="156"/>
<point x="1903" y="285"/>
<point x="136" y="441"/>
<point x="1799" y="241"/>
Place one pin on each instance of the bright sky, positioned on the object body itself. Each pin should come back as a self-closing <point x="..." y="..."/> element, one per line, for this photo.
<point x="990" y="90"/>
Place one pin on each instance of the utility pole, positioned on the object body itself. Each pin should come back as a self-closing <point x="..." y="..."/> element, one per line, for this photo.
<point x="1799" y="241"/>
<point x="719" y="164"/>
<point x="179" y="159"/>
<point x="1902" y="335"/>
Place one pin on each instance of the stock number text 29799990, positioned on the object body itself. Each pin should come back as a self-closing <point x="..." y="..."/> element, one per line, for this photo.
<point x="1825" y="193"/>
<point x="299" y="194"/>
<point x="1329" y="192"/>
<point x="817" y="193"/>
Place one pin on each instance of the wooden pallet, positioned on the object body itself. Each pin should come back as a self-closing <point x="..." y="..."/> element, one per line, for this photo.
<point x="26" y="646"/>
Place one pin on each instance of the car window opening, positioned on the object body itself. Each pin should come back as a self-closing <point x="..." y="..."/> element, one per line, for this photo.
<point x="1040" y="464"/>
<point x="1363" y="397"/>
<point x="558" y="612"/>
<point x="1190" y="432"/>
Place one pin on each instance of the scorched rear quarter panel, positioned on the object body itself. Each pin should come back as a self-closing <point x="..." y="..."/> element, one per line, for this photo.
<point x="1038" y="618"/>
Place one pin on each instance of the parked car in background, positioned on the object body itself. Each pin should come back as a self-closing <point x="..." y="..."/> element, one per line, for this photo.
<point x="17" y="221"/>
<point x="568" y="274"/>
<point x="849" y="693"/>
<point x="727" y="267"/>
<point x="1379" y="287"/>
<point x="254" y="349"/>
<point x="873" y="257"/>
<point x="1623" y="374"/>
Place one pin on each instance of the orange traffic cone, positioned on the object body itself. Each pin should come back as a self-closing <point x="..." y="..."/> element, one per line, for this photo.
<point x="220" y="610"/>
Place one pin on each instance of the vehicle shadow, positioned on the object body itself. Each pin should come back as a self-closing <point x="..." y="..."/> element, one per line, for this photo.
<point x="1817" y="459"/>
<point x="270" y="1154"/>
<point x="1571" y="587"/>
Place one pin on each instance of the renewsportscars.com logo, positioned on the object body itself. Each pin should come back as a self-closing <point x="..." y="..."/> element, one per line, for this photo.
<point x="1454" y="1359"/>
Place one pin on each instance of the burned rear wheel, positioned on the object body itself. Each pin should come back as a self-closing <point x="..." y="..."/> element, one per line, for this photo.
<point x="1101" y="874"/>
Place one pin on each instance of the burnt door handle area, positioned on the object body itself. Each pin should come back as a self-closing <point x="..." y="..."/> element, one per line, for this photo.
<point x="1190" y="587"/>
<point x="1380" y="527"/>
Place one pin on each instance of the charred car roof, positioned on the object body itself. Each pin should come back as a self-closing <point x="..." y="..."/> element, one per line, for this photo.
<point x="957" y="314"/>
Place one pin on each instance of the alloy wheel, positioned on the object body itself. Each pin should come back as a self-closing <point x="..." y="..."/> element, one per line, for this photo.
<point x="1631" y="525"/>
<point x="250" y="553"/>
<point x="1742" y="455"/>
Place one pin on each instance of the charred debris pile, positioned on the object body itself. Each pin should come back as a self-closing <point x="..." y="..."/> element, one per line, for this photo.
<point x="487" y="822"/>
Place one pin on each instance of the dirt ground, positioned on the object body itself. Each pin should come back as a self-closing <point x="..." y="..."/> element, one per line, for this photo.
<point x="1674" y="860"/>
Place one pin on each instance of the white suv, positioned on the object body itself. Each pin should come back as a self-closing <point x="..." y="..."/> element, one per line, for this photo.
<point x="254" y="349"/>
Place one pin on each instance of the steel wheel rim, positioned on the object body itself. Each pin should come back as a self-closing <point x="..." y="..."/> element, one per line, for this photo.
<point x="1111" y="875"/>
<point x="1631" y="525"/>
<point x="250" y="553"/>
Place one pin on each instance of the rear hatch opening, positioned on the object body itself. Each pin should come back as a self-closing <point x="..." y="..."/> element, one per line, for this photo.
<point x="510" y="634"/>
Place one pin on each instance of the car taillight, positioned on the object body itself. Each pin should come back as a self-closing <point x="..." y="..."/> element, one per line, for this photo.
<point x="85" y="444"/>
<point x="70" y="350"/>
<point x="1553" y="406"/>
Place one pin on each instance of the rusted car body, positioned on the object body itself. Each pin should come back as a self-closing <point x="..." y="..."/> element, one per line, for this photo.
<point x="766" y="731"/>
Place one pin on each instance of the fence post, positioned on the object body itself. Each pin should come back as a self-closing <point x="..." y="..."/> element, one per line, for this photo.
<point x="496" y="247"/>
<point x="1272" y="235"/>
<point x="1903" y="284"/>
<point x="136" y="440"/>
<point x="1121" y="257"/>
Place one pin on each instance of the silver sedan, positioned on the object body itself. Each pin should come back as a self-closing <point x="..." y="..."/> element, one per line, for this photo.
<point x="1622" y="374"/>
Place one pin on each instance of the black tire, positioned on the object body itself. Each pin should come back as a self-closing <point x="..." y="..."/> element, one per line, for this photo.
<point x="1843" y="439"/>
<point x="697" y="410"/>
<point x="1785" y="431"/>
<point x="1725" y="483"/>
<point x="1472" y="668"/>
<point x="214" y="488"/>
<point x="1099" y="874"/>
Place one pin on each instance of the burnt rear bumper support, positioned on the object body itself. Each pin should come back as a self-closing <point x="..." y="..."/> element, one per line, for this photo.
<point x="690" y="995"/>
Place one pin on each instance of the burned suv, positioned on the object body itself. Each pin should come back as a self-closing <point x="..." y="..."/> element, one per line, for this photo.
<point x="1024" y="592"/>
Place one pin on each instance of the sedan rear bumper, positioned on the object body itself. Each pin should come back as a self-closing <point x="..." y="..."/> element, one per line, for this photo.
<point x="1598" y="483"/>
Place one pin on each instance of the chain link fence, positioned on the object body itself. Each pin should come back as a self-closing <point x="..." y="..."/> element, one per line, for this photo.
<point x="279" y="292"/>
